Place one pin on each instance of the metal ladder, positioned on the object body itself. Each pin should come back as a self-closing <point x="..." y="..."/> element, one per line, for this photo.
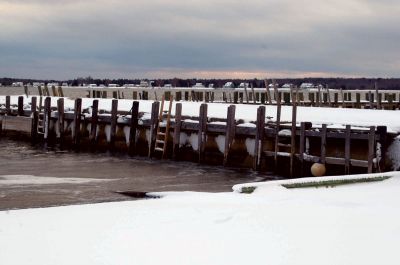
<point x="163" y="128"/>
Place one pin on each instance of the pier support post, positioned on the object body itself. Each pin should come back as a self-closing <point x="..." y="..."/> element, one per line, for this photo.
<point x="8" y="105"/>
<point x="177" y="130"/>
<point x="20" y="106"/>
<point x="46" y="118"/>
<point x="382" y="131"/>
<point x="60" y="120"/>
<point x="202" y="131"/>
<point x="94" y="121"/>
<point x="113" y="125"/>
<point x="35" y="119"/>
<point x="371" y="148"/>
<point x="77" y="122"/>
<point x="133" y="129"/>
<point x="230" y="132"/>
<point x="258" y="146"/>
<point x="347" y="150"/>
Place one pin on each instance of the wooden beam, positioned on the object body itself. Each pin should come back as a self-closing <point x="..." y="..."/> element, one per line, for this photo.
<point x="229" y="132"/>
<point x="293" y="136"/>
<point x="202" y="134"/>
<point x="382" y="131"/>
<point x="46" y="118"/>
<point x="347" y="150"/>
<point x="113" y="125"/>
<point x="77" y="122"/>
<point x="323" y="144"/>
<point x="133" y="127"/>
<point x="371" y="148"/>
<point x="35" y="119"/>
<point x="259" y="139"/>
<point x="155" y="107"/>
<point x="60" y="120"/>
<point x="177" y="131"/>
<point x="20" y="106"/>
<point x="94" y="122"/>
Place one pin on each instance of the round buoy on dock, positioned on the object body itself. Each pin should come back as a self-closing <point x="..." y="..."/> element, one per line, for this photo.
<point x="318" y="170"/>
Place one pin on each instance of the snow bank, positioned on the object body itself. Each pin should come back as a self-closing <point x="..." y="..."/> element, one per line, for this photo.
<point x="355" y="224"/>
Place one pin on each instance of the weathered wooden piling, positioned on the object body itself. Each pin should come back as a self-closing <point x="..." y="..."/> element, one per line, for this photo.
<point x="202" y="133"/>
<point x="133" y="127"/>
<point x="177" y="130"/>
<point x="76" y="137"/>
<point x="113" y="125"/>
<point x="229" y="132"/>
<point x="20" y="106"/>
<point x="60" y="120"/>
<point x="94" y="122"/>
<point x="259" y="137"/>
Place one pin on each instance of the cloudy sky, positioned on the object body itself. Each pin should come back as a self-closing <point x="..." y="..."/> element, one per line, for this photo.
<point x="64" y="39"/>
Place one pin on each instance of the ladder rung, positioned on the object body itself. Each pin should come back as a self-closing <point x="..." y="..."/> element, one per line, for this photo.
<point x="161" y="133"/>
<point x="160" y="142"/>
<point x="284" y="145"/>
<point x="159" y="149"/>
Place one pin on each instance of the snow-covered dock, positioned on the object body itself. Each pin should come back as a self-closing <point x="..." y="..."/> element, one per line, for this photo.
<point x="251" y="136"/>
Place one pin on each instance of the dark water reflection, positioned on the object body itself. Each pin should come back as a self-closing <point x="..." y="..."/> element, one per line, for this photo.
<point x="122" y="173"/>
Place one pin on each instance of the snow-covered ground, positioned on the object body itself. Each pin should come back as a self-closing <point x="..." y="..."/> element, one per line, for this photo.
<point x="333" y="117"/>
<point x="352" y="224"/>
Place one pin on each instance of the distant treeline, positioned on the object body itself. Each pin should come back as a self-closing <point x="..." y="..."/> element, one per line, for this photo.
<point x="344" y="83"/>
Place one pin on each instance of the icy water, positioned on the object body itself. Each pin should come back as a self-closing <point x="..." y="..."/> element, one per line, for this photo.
<point x="37" y="177"/>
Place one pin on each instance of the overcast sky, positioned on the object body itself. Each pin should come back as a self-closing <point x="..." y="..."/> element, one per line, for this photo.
<point x="64" y="39"/>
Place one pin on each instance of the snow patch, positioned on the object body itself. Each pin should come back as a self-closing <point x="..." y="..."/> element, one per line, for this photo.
<point x="220" y="140"/>
<point x="393" y="153"/>
<point x="250" y="144"/>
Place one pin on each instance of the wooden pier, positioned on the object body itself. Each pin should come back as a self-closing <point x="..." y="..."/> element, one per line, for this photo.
<point x="285" y="148"/>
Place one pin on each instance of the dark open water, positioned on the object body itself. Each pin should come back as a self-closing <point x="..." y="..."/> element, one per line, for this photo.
<point x="117" y="172"/>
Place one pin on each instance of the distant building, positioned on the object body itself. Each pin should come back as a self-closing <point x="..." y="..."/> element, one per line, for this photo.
<point x="198" y="85"/>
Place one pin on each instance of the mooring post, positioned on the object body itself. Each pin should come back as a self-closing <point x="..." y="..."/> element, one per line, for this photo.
<point x="377" y="96"/>
<point x="8" y="104"/>
<point x="60" y="120"/>
<point x="323" y="144"/>
<point x="94" y="121"/>
<point x="358" y="100"/>
<point x="382" y="131"/>
<point x="77" y="122"/>
<point x="277" y="126"/>
<point x="26" y="91"/>
<point x="177" y="130"/>
<point x="302" y="147"/>
<point x="246" y="94"/>
<point x="259" y="139"/>
<point x="371" y="148"/>
<point x="35" y="119"/>
<point x="40" y="90"/>
<point x="53" y="89"/>
<point x="114" y="117"/>
<point x="133" y="128"/>
<point x="155" y="108"/>
<point x="293" y="137"/>
<point x="46" y="118"/>
<point x="347" y="150"/>
<point x="20" y="106"/>
<point x="60" y="92"/>
<point x="230" y="132"/>
<point x="202" y="136"/>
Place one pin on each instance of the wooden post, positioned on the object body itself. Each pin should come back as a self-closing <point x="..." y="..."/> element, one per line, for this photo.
<point x="155" y="107"/>
<point x="20" y="106"/>
<point x="371" y="101"/>
<point x="358" y="101"/>
<point x="382" y="131"/>
<point x="8" y="104"/>
<point x="53" y="88"/>
<point x="26" y="90"/>
<point x="177" y="130"/>
<point x="347" y="150"/>
<point x="329" y="97"/>
<point x="60" y="92"/>
<point x="133" y="129"/>
<point x="115" y="95"/>
<point x="377" y="96"/>
<point x="77" y="122"/>
<point x="371" y="148"/>
<point x="293" y="137"/>
<point x="60" y="108"/>
<point x="40" y="91"/>
<point x="323" y="144"/>
<point x="254" y="94"/>
<point x="259" y="139"/>
<point x="202" y="136"/>
<point x="46" y="118"/>
<point x="35" y="119"/>
<point x="342" y="96"/>
<point x="268" y="92"/>
<point x="302" y="146"/>
<point x="246" y="93"/>
<point x="277" y="128"/>
<point x="114" y="117"/>
<point x="319" y="97"/>
<point x="94" y="121"/>
<point x="230" y="132"/>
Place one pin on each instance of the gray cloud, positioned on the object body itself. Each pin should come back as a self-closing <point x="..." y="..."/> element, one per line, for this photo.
<point x="119" y="38"/>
